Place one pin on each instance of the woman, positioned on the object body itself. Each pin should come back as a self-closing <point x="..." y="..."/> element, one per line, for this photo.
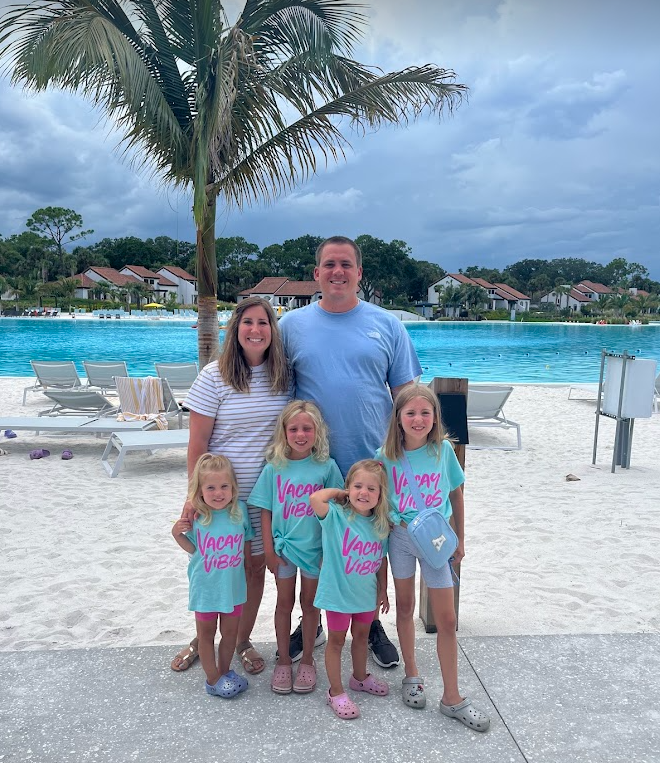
<point x="234" y="404"/>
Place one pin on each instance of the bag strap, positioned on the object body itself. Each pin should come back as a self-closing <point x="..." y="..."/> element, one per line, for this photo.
<point x="412" y="485"/>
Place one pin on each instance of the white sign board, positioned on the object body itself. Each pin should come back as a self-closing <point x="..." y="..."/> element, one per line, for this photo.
<point x="638" y="388"/>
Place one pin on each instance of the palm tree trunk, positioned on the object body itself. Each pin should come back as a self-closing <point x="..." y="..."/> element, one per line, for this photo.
<point x="207" y="286"/>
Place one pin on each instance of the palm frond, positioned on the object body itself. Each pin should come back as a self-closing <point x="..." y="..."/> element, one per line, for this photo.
<point x="289" y="156"/>
<point x="338" y="25"/>
<point x="93" y="48"/>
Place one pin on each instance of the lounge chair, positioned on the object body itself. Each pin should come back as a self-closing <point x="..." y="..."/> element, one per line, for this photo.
<point x="147" y="398"/>
<point x="100" y="373"/>
<point x="73" y="424"/>
<point x="485" y="405"/>
<point x="585" y="389"/>
<point x="58" y="374"/>
<point x="77" y="401"/>
<point x="126" y="442"/>
<point x="180" y="376"/>
<point x="656" y="394"/>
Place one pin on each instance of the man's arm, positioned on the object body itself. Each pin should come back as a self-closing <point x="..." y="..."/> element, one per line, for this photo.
<point x="395" y="390"/>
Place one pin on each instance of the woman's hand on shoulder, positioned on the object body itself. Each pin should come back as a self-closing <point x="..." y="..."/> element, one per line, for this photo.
<point x="188" y="512"/>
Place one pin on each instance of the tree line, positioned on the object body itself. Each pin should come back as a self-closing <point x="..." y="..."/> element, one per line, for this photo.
<point x="37" y="261"/>
<point x="42" y="260"/>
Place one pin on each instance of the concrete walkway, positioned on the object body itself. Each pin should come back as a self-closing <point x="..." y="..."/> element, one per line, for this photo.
<point x="552" y="699"/>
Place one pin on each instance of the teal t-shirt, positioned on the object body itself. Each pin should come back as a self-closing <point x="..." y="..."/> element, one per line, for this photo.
<point x="352" y="555"/>
<point x="284" y="491"/>
<point x="436" y="477"/>
<point x="216" y="571"/>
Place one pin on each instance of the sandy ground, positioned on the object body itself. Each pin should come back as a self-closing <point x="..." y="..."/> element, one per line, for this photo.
<point x="89" y="561"/>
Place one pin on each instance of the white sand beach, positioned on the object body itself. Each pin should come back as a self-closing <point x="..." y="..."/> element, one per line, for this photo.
<point x="88" y="561"/>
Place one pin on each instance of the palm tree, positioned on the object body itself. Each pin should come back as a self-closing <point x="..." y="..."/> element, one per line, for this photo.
<point x="209" y="103"/>
<point x="644" y="304"/>
<point x="450" y="297"/>
<point x="66" y="289"/>
<point x="4" y="286"/>
<point x="562" y="290"/>
<point x="138" y="292"/>
<point x="474" y="297"/>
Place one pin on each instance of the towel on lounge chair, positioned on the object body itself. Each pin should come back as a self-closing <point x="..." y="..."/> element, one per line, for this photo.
<point x="141" y="399"/>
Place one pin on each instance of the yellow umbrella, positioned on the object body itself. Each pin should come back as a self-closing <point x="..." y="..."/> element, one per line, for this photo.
<point x="153" y="304"/>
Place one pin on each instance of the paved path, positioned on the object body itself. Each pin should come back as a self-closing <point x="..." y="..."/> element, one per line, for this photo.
<point x="552" y="699"/>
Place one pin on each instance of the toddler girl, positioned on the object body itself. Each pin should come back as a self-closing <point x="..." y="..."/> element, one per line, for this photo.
<point x="298" y="465"/>
<point x="219" y="544"/>
<point x="415" y="433"/>
<point x="353" y="580"/>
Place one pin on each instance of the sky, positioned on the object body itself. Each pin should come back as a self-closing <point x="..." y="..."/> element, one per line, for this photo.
<point x="555" y="153"/>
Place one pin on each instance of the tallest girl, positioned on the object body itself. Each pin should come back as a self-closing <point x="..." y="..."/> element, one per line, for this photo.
<point x="234" y="404"/>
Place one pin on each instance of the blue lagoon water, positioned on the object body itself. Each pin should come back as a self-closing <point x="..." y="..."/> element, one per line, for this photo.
<point x="507" y="352"/>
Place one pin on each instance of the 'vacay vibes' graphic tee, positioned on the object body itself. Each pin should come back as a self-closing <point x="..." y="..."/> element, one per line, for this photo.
<point x="216" y="571"/>
<point x="284" y="491"/>
<point x="352" y="555"/>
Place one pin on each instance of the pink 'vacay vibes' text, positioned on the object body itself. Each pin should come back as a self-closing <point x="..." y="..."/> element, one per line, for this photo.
<point x="288" y="494"/>
<point x="355" y="550"/>
<point x="212" y="548"/>
<point x="433" y="496"/>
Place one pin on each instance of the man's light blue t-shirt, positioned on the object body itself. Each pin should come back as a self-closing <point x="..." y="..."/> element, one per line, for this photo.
<point x="352" y="555"/>
<point x="347" y="363"/>
<point x="216" y="571"/>
<point x="435" y="476"/>
<point x="284" y="491"/>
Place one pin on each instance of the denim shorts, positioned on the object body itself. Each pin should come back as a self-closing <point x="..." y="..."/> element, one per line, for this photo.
<point x="404" y="558"/>
<point x="289" y="569"/>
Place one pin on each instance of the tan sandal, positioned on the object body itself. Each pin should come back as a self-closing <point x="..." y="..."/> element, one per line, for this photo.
<point x="250" y="658"/>
<point x="185" y="658"/>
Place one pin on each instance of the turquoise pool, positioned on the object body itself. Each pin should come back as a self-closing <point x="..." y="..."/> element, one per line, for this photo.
<point x="479" y="351"/>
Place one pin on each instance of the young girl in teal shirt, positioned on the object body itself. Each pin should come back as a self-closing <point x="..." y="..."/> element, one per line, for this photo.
<point x="353" y="580"/>
<point x="415" y="433"/>
<point x="298" y="465"/>
<point x="219" y="544"/>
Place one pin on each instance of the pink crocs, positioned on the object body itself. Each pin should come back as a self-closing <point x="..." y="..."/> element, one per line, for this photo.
<point x="343" y="707"/>
<point x="305" y="679"/>
<point x="282" y="681"/>
<point x="370" y="684"/>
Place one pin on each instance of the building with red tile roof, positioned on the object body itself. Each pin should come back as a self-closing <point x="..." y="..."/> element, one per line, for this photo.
<point x="185" y="285"/>
<point x="500" y="296"/>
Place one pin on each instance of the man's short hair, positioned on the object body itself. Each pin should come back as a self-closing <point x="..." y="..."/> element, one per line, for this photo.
<point x="339" y="240"/>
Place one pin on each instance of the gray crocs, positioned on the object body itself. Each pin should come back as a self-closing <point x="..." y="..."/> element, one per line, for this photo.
<point x="412" y="692"/>
<point x="467" y="713"/>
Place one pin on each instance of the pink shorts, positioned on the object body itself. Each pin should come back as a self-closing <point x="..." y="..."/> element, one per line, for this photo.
<point x="210" y="616"/>
<point x="339" y="621"/>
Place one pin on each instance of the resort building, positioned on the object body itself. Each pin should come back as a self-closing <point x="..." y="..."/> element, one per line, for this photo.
<point x="500" y="295"/>
<point x="185" y="285"/>
<point x="282" y="292"/>
<point x="161" y="286"/>
<point x="594" y="291"/>
<point x="91" y="278"/>
<point x="573" y="299"/>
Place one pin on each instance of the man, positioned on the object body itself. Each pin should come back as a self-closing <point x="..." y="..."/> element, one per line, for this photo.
<point x="351" y="358"/>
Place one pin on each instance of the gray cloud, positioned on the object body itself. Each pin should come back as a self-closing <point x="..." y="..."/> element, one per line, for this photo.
<point x="555" y="153"/>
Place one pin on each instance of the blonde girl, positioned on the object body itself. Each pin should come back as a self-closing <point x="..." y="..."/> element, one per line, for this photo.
<point x="234" y="404"/>
<point x="353" y="580"/>
<point x="298" y="465"/>
<point x="218" y="541"/>
<point x="415" y="433"/>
